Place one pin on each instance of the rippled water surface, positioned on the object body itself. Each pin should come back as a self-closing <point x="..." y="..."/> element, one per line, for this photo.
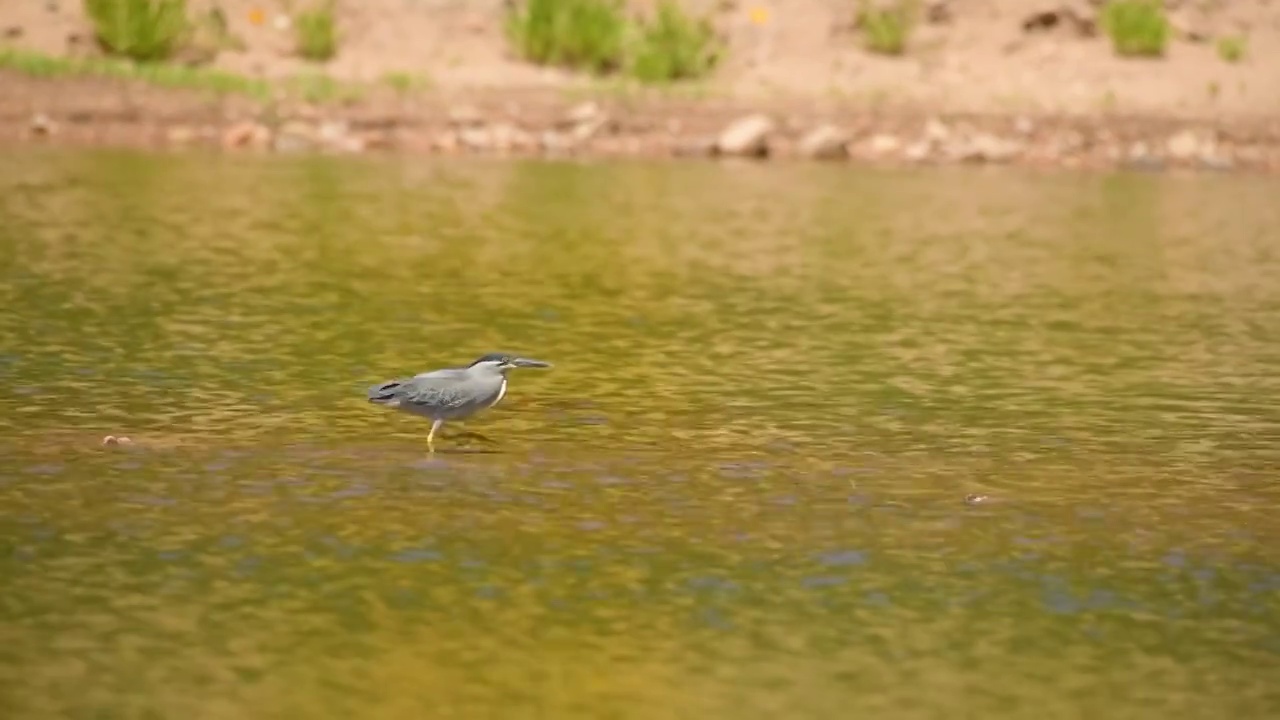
<point x="740" y="493"/>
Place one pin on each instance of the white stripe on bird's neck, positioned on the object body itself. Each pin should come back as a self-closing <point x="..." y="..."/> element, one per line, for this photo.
<point x="501" y="392"/>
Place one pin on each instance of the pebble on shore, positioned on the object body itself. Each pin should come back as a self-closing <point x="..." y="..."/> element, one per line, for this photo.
<point x="588" y="128"/>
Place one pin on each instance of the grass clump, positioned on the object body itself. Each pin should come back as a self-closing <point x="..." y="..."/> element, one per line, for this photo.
<point x="209" y="35"/>
<point x="674" y="46"/>
<point x="581" y="34"/>
<point x="310" y="87"/>
<point x="404" y="83"/>
<point x="1232" y="49"/>
<point x="213" y="29"/>
<point x="317" y="33"/>
<point x="318" y="88"/>
<point x="159" y="74"/>
<point x="597" y="36"/>
<point x="142" y="30"/>
<point x="886" y="29"/>
<point x="1138" y="28"/>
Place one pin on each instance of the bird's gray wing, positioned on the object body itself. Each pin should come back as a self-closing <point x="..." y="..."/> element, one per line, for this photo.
<point x="436" y="389"/>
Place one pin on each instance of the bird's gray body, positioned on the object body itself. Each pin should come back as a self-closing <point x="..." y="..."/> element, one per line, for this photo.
<point x="451" y="393"/>
<point x="448" y="394"/>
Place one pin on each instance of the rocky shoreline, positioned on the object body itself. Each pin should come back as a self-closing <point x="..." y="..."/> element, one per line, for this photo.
<point x="83" y="112"/>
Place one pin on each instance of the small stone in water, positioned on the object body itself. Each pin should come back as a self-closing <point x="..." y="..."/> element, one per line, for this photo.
<point x="42" y="125"/>
<point x="746" y="136"/>
<point x="974" y="499"/>
<point x="113" y="440"/>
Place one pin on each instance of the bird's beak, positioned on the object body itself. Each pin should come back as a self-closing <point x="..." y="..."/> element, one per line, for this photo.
<point x="530" y="363"/>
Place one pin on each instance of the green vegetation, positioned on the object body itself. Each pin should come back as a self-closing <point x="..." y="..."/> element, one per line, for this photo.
<point x="314" y="88"/>
<point x="1109" y="102"/>
<point x="209" y="35"/>
<point x="886" y="30"/>
<point x="405" y="83"/>
<point x="596" y="36"/>
<point x="674" y="47"/>
<point x="583" y="34"/>
<point x="320" y="88"/>
<point x="1232" y="49"/>
<point x="160" y="74"/>
<point x="143" y="30"/>
<point x="212" y="28"/>
<point x="317" y="33"/>
<point x="1138" y="28"/>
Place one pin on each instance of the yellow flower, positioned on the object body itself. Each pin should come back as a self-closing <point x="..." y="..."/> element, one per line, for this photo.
<point x="758" y="15"/>
<point x="257" y="16"/>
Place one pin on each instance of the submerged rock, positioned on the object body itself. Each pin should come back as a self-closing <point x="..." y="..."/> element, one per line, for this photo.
<point x="42" y="125"/>
<point x="499" y="137"/>
<point x="465" y="116"/>
<point x="336" y="136"/>
<point x="295" y="136"/>
<point x="1140" y="157"/>
<point x="936" y="131"/>
<point x="331" y="131"/>
<point x="1220" y="163"/>
<point x="825" y="142"/>
<point x="988" y="148"/>
<point x="446" y="142"/>
<point x="511" y="137"/>
<point x="554" y="143"/>
<point x="376" y="140"/>
<point x="1184" y="146"/>
<point x="586" y="113"/>
<point x="747" y="136"/>
<point x="694" y="147"/>
<point x="589" y="129"/>
<point x="245" y="134"/>
<point x="475" y="138"/>
<point x="919" y="151"/>
<point x="883" y="145"/>
<point x="180" y="135"/>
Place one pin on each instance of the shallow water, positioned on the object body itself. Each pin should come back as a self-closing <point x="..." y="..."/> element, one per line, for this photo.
<point x="740" y="493"/>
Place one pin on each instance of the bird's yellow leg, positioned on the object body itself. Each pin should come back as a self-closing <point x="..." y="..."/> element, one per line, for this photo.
<point x="431" y="436"/>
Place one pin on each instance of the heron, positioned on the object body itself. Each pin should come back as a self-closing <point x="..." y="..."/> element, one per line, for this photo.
<point x="453" y="393"/>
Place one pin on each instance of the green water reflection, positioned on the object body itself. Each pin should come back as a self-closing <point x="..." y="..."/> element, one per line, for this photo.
<point x="740" y="493"/>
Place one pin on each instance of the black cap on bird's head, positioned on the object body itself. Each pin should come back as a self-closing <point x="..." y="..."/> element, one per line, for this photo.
<point x="506" y="361"/>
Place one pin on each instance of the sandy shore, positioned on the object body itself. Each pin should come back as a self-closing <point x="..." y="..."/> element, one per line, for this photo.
<point x="982" y="83"/>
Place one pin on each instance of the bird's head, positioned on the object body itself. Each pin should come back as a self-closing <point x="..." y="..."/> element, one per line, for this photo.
<point x="502" y="362"/>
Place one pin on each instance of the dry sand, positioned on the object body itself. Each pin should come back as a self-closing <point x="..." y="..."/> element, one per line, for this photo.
<point x="976" y="63"/>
